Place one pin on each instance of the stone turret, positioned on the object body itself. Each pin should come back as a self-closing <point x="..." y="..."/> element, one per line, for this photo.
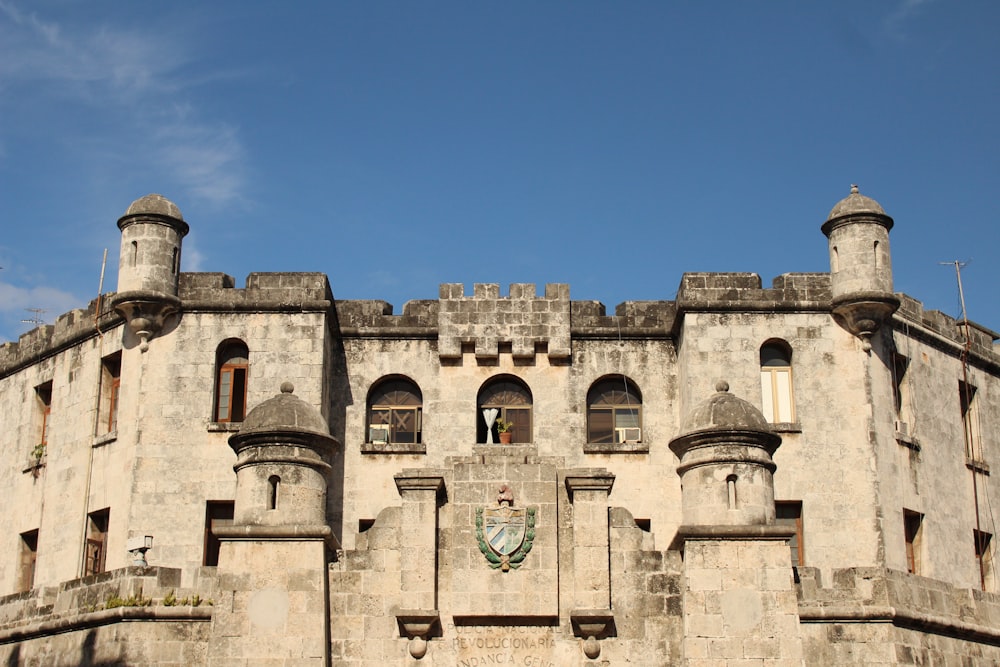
<point x="273" y="558"/>
<point x="725" y="448"/>
<point x="149" y="265"/>
<point x="282" y="453"/>
<point x="739" y="595"/>
<point x="860" y="264"/>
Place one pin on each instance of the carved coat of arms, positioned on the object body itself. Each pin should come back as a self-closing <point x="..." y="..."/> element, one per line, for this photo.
<point x="505" y="533"/>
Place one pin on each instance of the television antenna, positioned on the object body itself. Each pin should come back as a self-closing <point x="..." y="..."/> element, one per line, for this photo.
<point x="36" y="316"/>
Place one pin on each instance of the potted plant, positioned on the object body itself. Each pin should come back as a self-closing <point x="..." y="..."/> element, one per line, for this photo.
<point x="503" y="429"/>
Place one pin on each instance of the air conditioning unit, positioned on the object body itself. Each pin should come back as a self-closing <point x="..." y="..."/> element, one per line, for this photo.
<point x="902" y="428"/>
<point x="378" y="435"/>
<point x="628" y="434"/>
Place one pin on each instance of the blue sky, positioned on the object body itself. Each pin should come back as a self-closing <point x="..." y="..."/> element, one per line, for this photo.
<point x="398" y="145"/>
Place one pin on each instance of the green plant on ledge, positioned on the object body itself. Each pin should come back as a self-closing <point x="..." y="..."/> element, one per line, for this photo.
<point x="503" y="427"/>
<point x="115" y="600"/>
<point x="38" y="452"/>
<point x="171" y="600"/>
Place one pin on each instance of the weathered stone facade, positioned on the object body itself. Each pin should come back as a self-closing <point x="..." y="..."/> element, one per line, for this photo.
<point x="791" y="475"/>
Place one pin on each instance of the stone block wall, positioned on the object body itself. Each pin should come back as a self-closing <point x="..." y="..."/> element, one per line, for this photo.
<point x="876" y="616"/>
<point x="365" y="586"/>
<point x="522" y="320"/>
<point x="739" y="604"/>
<point x="70" y="328"/>
<point x="486" y="616"/>
<point x="130" y="616"/>
<point x="647" y="596"/>
<point x="788" y="292"/>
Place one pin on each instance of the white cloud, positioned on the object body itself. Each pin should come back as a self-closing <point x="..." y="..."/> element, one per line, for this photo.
<point x="204" y="160"/>
<point x="904" y="11"/>
<point x="192" y="260"/>
<point x="17" y="300"/>
<point x="133" y="79"/>
<point x="14" y="298"/>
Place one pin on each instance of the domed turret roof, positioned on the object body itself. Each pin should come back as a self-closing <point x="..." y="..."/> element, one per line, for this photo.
<point x="723" y="411"/>
<point x="285" y="413"/>
<point x="154" y="204"/>
<point x="855" y="203"/>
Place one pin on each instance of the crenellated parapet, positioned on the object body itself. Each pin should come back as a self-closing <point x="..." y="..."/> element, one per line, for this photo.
<point x="871" y="608"/>
<point x="375" y="318"/>
<point x="523" y="320"/>
<point x="743" y="291"/>
<point x="632" y="319"/>
<point x="264" y="292"/>
<point x="947" y="333"/>
<point x="69" y="329"/>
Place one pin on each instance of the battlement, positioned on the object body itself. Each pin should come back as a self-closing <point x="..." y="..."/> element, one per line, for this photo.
<point x="69" y="329"/>
<point x="419" y="317"/>
<point x="263" y="291"/>
<point x="982" y="340"/>
<point x="486" y="319"/>
<point x="877" y="594"/>
<point x="744" y="291"/>
<point x="522" y="319"/>
<point x="645" y="319"/>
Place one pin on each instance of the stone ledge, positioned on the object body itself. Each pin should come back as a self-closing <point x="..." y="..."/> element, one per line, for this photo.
<point x="105" y="439"/>
<point x="302" y="533"/>
<point x="901" y="617"/>
<point x="393" y="448"/>
<point x="104" y="617"/>
<point x="786" y="427"/>
<point x="725" y="533"/>
<point x="224" y="427"/>
<point x="977" y="465"/>
<point x="616" y="448"/>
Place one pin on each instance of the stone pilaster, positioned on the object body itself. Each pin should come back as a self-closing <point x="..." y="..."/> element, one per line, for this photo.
<point x="591" y="616"/>
<point x="418" y="531"/>
<point x="418" y="615"/>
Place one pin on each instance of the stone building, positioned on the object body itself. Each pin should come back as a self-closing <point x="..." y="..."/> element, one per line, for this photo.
<point x="200" y="474"/>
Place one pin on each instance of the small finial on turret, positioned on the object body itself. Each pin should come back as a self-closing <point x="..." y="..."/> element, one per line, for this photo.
<point x="854" y="188"/>
<point x="287" y="387"/>
<point x="722" y="386"/>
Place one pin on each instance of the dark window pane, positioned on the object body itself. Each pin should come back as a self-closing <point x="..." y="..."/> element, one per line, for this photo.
<point x="601" y="426"/>
<point x="522" y="424"/>
<point x="773" y="354"/>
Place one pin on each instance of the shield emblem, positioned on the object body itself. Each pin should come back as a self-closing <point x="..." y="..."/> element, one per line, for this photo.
<point x="505" y="528"/>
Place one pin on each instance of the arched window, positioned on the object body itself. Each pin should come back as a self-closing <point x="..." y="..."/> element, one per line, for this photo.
<point x="776" y="382"/>
<point x="507" y="399"/>
<point x="614" y="411"/>
<point x="394" y="407"/>
<point x="233" y="363"/>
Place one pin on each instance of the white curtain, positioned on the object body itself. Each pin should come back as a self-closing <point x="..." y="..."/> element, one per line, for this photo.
<point x="490" y="416"/>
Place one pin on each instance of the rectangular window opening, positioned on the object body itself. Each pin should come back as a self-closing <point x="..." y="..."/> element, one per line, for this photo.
<point x="776" y="394"/>
<point x="97" y="539"/>
<point x="970" y="421"/>
<point x="43" y="394"/>
<point x="217" y="513"/>
<point x="900" y="364"/>
<point x="29" y="556"/>
<point x="984" y="558"/>
<point x="913" y="536"/>
<point x="111" y="369"/>
<point x="789" y="513"/>
<point x="231" y="401"/>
